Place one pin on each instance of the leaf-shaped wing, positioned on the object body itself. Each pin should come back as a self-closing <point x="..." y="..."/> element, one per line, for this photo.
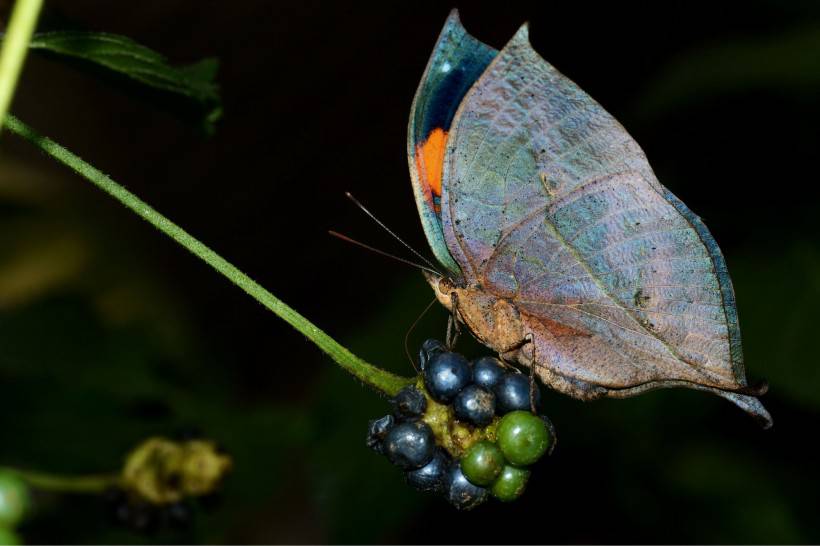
<point x="550" y="204"/>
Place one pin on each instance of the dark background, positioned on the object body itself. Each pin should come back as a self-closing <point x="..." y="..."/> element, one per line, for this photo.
<point x="110" y="333"/>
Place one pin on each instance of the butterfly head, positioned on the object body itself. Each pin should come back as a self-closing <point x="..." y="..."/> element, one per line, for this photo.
<point x="444" y="287"/>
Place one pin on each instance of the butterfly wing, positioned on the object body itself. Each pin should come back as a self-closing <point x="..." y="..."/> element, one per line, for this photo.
<point x="548" y="203"/>
<point x="456" y="63"/>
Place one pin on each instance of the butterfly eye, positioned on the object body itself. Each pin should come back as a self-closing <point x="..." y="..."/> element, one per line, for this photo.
<point x="445" y="285"/>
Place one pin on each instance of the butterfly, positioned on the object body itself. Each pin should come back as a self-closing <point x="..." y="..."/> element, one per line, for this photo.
<point x="560" y="249"/>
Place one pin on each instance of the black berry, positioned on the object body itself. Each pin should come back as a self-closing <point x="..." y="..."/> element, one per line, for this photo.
<point x="428" y="349"/>
<point x="460" y="492"/>
<point x="475" y="404"/>
<point x="487" y="371"/>
<point x="141" y="517"/>
<point x="177" y="514"/>
<point x="446" y="374"/>
<point x="377" y="429"/>
<point x="409" y="445"/>
<point x="513" y="393"/>
<point x="430" y="477"/>
<point x="409" y="403"/>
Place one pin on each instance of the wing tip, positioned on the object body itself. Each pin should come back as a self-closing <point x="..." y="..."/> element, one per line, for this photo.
<point x="758" y="389"/>
<point x="751" y="405"/>
<point x="744" y="398"/>
<point x="453" y="22"/>
<point x="522" y="34"/>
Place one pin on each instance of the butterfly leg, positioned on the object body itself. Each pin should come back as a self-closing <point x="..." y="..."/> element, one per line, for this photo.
<point x="528" y="338"/>
<point x="515" y="346"/>
<point x="532" y="374"/>
<point x="453" y="326"/>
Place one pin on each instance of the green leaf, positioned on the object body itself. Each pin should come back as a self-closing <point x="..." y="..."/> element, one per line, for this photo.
<point x="126" y="57"/>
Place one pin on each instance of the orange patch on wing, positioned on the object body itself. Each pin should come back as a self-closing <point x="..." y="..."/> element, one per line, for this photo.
<point x="430" y="159"/>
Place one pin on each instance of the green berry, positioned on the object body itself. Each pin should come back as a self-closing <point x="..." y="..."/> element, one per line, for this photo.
<point x="14" y="499"/>
<point x="522" y="437"/>
<point x="482" y="463"/>
<point x="9" y="537"/>
<point x="510" y="484"/>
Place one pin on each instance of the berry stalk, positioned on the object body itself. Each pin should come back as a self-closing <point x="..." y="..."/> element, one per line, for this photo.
<point x="66" y="484"/>
<point x="373" y="376"/>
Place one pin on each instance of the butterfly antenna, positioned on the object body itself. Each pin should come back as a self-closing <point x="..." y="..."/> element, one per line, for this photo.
<point x="382" y="252"/>
<point x="410" y="331"/>
<point x="388" y="230"/>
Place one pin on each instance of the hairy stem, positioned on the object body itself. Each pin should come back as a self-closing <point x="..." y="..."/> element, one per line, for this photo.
<point x="96" y="483"/>
<point x="15" y="45"/>
<point x="369" y="374"/>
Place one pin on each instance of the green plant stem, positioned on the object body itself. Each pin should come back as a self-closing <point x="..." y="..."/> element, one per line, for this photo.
<point x="15" y="45"/>
<point x="96" y="483"/>
<point x="369" y="374"/>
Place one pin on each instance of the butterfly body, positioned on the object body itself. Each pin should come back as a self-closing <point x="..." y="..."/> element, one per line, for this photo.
<point x="494" y="321"/>
<point x="561" y="249"/>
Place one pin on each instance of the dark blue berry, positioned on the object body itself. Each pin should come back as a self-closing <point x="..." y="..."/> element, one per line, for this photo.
<point x="409" y="403"/>
<point x="430" y="477"/>
<point x="122" y="513"/>
<point x="487" y="371"/>
<point x="142" y="518"/>
<point x="460" y="492"/>
<point x="446" y="374"/>
<point x="410" y="445"/>
<point x="428" y="349"/>
<point x="117" y="506"/>
<point x="377" y="429"/>
<point x="475" y="404"/>
<point x="513" y="393"/>
<point x="177" y="514"/>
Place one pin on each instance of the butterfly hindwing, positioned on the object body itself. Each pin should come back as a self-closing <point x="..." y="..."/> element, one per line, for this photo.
<point x="548" y="203"/>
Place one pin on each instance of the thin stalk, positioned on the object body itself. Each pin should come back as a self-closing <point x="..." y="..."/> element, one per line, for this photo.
<point x="15" y="45"/>
<point x="369" y="374"/>
<point x="96" y="483"/>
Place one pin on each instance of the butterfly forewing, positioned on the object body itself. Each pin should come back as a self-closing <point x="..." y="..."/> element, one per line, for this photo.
<point x="457" y="62"/>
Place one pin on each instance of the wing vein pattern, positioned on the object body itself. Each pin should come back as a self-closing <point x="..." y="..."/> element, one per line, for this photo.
<point x="555" y="208"/>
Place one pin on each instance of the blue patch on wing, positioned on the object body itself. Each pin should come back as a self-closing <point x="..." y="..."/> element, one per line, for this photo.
<point x="456" y="63"/>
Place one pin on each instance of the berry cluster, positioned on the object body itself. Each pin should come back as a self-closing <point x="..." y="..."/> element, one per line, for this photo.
<point x="465" y="430"/>
<point x="163" y="480"/>
<point x="143" y="517"/>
